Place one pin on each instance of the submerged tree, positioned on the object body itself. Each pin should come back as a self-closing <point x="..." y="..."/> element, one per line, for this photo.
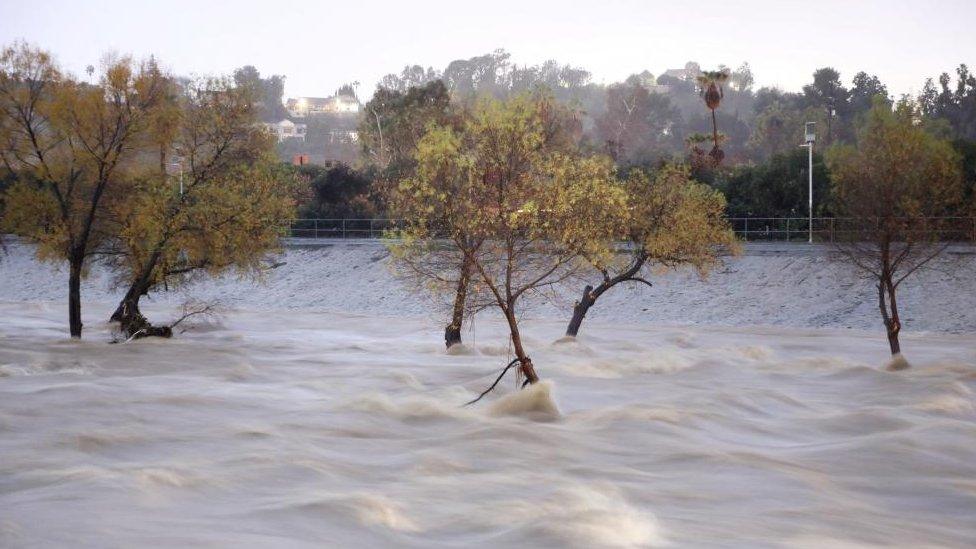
<point x="893" y="187"/>
<point x="70" y="143"/>
<point x="216" y="200"/>
<point x="523" y="214"/>
<point x="408" y="117"/>
<point x="711" y="87"/>
<point x="671" y="221"/>
<point x="390" y="133"/>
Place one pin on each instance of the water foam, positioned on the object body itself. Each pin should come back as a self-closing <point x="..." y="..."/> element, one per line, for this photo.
<point x="592" y="516"/>
<point x="535" y="402"/>
<point x="896" y="363"/>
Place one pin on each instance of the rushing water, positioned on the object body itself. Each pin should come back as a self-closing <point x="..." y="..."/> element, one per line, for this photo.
<point x="304" y="429"/>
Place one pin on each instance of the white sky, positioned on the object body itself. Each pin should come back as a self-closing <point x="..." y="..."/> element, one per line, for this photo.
<point x="319" y="45"/>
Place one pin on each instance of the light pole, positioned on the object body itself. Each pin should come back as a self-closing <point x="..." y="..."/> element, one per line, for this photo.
<point x="811" y="136"/>
<point x="178" y="162"/>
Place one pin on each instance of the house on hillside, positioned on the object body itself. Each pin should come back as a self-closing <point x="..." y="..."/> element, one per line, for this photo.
<point x="285" y="130"/>
<point x="688" y="74"/>
<point x="341" y="103"/>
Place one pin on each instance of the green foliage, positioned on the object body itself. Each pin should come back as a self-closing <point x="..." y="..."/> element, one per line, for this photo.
<point x="235" y="198"/>
<point x="393" y="122"/>
<point x="267" y="93"/>
<point x="71" y="144"/>
<point x="956" y="106"/>
<point x="779" y="187"/>
<point x="966" y="149"/>
<point x="337" y="191"/>
<point x="674" y="220"/>
<point x="898" y="175"/>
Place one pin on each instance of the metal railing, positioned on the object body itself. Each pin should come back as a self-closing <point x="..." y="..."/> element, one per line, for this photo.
<point x="831" y="229"/>
<point x="340" y="228"/>
<point x="751" y="229"/>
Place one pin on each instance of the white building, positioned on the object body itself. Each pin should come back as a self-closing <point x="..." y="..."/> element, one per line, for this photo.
<point x="286" y="129"/>
<point x="688" y="74"/>
<point x="301" y="107"/>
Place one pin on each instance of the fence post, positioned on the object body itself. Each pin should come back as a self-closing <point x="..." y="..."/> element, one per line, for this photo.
<point x="787" y="229"/>
<point x="974" y="230"/>
<point x="316" y="228"/>
<point x="343" y="228"/>
<point x="745" y="232"/>
<point x="831" y="230"/>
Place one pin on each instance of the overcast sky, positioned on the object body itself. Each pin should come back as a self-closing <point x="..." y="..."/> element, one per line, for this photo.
<point x="319" y="45"/>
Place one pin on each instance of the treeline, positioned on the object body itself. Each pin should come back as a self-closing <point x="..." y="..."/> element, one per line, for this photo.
<point x="679" y="115"/>
<point x="645" y="120"/>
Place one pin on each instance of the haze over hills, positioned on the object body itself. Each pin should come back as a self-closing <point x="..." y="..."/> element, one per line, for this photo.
<point x="321" y="46"/>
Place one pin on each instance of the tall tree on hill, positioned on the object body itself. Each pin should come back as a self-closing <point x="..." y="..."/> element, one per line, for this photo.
<point x="394" y="121"/>
<point x="412" y="76"/>
<point x="827" y="93"/>
<point x="711" y="88"/>
<point x="863" y="92"/>
<point x="267" y="93"/>
<point x="956" y="106"/>
<point x="638" y="126"/>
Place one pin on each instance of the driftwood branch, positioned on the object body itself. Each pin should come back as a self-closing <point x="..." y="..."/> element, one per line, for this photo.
<point x="188" y="312"/>
<point x="493" y="385"/>
<point x="641" y="280"/>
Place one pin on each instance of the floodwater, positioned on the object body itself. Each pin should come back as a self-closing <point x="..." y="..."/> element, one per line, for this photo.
<point x="312" y="429"/>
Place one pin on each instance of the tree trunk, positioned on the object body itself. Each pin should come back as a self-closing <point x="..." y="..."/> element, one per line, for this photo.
<point x="132" y="296"/>
<point x="74" y="294"/>
<point x="128" y="315"/>
<point x="714" y="130"/>
<point x="452" y="333"/>
<point x="889" y="314"/>
<point x="893" y="340"/>
<point x="136" y="326"/>
<point x="525" y="363"/>
<point x="579" y="311"/>
<point x="591" y="294"/>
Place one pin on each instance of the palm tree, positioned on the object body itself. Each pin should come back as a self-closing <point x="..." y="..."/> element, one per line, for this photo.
<point x="710" y="88"/>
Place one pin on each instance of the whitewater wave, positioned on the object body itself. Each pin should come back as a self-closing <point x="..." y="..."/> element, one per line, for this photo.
<point x="412" y="408"/>
<point x="590" y="516"/>
<point x="535" y="402"/>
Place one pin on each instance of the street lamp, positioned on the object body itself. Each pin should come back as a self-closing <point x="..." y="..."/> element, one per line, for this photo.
<point x="810" y="137"/>
<point x="178" y="163"/>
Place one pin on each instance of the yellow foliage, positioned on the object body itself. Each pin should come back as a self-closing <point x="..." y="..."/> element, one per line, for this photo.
<point x="69" y="144"/>
<point x="506" y="189"/>
<point x="676" y="220"/>
<point x="235" y="201"/>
